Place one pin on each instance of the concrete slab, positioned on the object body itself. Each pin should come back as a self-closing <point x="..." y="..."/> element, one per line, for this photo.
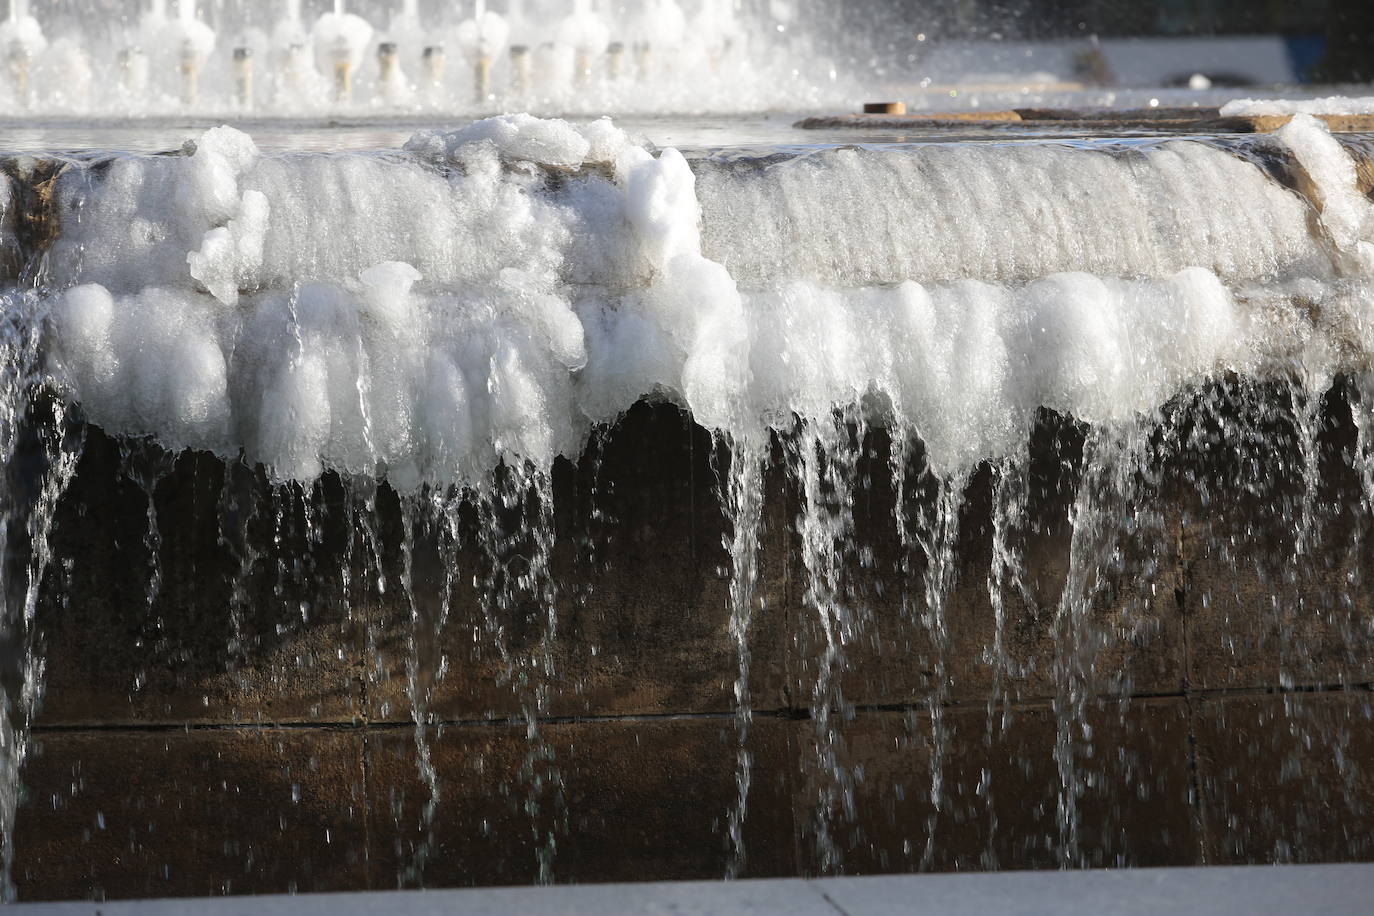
<point x="174" y="813"/>
<point x="1285" y="778"/>
<point x="999" y="798"/>
<point x="1253" y="619"/>
<point x="114" y="658"/>
<point x="762" y="898"/>
<point x="1324" y="890"/>
<point x="623" y="799"/>
<point x="1190" y="120"/>
<point x="1310" y="890"/>
<point x="643" y="615"/>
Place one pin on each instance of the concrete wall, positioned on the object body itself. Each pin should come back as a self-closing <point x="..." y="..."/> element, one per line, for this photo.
<point x="1230" y="721"/>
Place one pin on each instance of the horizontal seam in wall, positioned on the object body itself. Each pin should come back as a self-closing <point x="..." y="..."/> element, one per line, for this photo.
<point x="919" y="708"/>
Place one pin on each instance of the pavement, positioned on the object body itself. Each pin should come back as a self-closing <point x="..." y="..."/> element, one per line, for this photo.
<point x="1311" y="890"/>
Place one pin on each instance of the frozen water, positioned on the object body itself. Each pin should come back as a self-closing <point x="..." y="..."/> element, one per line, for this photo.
<point x="1330" y="105"/>
<point x="495" y="291"/>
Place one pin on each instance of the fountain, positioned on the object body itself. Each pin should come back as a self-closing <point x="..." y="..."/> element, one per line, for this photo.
<point x="586" y="35"/>
<point x="405" y="28"/>
<point x="527" y="499"/>
<point x="195" y="41"/>
<point x="482" y="38"/>
<point x="243" y="77"/>
<point x="21" y="39"/>
<point x="570" y="57"/>
<point x="341" y="39"/>
<point x="661" y="25"/>
<point x="133" y="73"/>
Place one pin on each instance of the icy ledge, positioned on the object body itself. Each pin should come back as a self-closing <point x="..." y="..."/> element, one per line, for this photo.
<point x="491" y="294"/>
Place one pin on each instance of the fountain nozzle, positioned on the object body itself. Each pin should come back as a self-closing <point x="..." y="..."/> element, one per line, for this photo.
<point x="615" y="60"/>
<point x="434" y="63"/>
<point x="243" y="76"/>
<point x="520" y="69"/>
<point x="190" y="73"/>
<point x="342" y="56"/>
<point x="19" y="59"/>
<point x="133" y="70"/>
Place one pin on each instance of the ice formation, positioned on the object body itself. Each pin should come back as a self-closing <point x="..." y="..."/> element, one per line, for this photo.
<point x="1329" y="105"/>
<point x="1346" y="213"/>
<point x="491" y="293"/>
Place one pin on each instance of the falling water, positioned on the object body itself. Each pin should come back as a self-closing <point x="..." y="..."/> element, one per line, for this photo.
<point x="823" y="460"/>
<point x="39" y="447"/>
<point x="1103" y="503"/>
<point x="935" y="532"/>
<point x="519" y="599"/>
<point x="1006" y="573"/>
<point x="741" y="496"/>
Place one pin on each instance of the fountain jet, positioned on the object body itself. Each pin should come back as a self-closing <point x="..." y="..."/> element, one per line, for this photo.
<point x="341" y="38"/>
<point x="21" y="40"/>
<point x="482" y="38"/>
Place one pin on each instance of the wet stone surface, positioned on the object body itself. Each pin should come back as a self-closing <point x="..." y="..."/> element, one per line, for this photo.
<point x="244" y="720"/>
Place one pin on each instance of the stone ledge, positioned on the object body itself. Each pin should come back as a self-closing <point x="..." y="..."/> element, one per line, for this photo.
<point x="1124" y="892"/>
<point x="1178" y="120"/>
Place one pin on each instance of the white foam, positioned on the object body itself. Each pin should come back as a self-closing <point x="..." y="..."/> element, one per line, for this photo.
<point x="67" y="68"/>
<point x="191" y="37"/>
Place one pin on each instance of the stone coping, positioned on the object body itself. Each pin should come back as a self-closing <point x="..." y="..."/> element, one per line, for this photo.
<point x="1192" y="120"/>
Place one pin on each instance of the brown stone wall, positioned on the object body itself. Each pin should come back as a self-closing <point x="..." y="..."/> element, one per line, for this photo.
<point x="1229" y="716"/>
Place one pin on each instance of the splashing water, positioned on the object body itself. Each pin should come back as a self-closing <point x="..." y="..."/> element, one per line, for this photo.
<point x="742" y="494"/>
<point x="39" y="447"/>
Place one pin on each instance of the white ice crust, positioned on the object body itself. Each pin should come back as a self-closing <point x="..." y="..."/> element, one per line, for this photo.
<point x="489" y="294"/>
<point x="1329" y="105"/>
